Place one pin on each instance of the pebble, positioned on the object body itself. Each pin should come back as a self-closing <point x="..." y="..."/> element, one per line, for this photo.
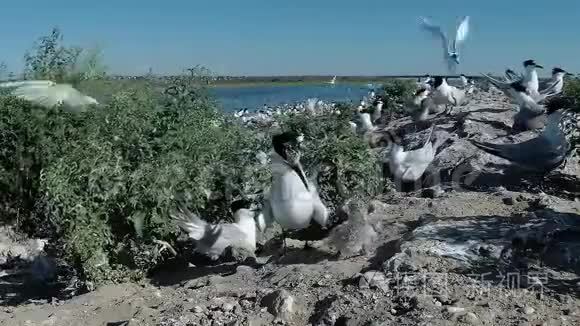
<point x="433" y="192"/>
<point x="244" y="269"/>
<point x="529" y="310"/>
<point x="197" y="309"/>
<point x="455" y="310"/>
<point x="280" y="304"/>
<point x="508" y="201"/>
<point x="374" y="279"/>
<point x="228" y="306"/>
<point x="245" y="304"/>
<point x="470" y="318"/>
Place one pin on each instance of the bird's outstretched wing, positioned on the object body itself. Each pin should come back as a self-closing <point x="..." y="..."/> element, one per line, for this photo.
<point x="512" y="76"/>
<point x="43" y="95"/>
<point x="27" y="83"/>
<point x="48" y="94"/>
<point x="497" y="83"/>
<point x="549" y="89"/>
<point x="461" y="34"/>
<point x="190" y="223"/>
<point x="436" y="32"/>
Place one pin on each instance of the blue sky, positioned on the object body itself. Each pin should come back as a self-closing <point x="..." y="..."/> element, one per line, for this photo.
<point x="270" y="37"/>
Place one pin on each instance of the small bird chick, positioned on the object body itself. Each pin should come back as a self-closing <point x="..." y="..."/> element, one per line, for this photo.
<point x="355" y="236"/>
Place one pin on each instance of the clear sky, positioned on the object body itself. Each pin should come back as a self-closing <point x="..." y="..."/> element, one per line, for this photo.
<point x="274" y="37"/>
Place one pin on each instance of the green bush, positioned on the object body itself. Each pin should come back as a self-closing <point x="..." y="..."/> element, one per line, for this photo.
<point x="100" y="185"/>
<point x="50" y="59"/>
<point x="396" y="93"/>
<point x="342" y="162"/>
<point x="113" y="188"/>
<point x="572" y="88"/>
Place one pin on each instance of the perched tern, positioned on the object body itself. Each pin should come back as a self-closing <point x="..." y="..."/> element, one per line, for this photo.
<point x="421" y="105"/>
<point x="529" y="81"/>
<point x="556" y="83"/>
<point x="543" y="153"/>
<point x="445" y="94"/>
<point x="409" y="166"/>
<point x="293" y="201"/>
<point x="377" y="111"/>
<point x="464" y="81"/>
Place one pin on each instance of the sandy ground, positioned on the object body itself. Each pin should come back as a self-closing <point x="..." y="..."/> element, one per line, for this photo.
<point x="448" y="260"/>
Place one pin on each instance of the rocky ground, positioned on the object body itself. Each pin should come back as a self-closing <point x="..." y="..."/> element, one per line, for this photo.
<point x="487" y="247"/>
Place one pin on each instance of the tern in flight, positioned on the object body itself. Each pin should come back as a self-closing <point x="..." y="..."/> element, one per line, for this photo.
<point x="450" y="50"/>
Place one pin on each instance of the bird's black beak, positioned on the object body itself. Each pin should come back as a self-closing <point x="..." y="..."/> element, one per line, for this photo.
<point x="538" y="66"/>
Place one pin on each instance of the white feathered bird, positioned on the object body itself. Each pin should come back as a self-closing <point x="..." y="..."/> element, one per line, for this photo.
<point x="49" y="94"/>
<point x="450" y="50"/>
<point x="292" y="201"/>
<point x="409" y="166"/>
<point x="213" y="239"/>
<point x="445" y="94"/>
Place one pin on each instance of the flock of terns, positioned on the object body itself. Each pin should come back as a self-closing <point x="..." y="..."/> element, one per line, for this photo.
<point x="292" y="200"/>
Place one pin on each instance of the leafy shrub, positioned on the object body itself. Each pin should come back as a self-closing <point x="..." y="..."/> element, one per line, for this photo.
<point x="30" y="138"/>
<point x="396" y="92"/>
<point x="572" y="88"/>
<point x="50" y="59"/>
<point x="342" y="162"/>
<point x="100" y="185"/>
<point x="113" y="188"/>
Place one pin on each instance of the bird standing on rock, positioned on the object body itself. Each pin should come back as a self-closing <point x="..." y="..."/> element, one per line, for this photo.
<point x="543" y="153"/>
<point x="377" y="112"/>
<point x="409" y="166"/>
<point x="556" y="83"/>
<point x="529" y="82"/>
<point x="293" y="201"/>
<point x="421" y="105"/>
<point x="445" y="94"/>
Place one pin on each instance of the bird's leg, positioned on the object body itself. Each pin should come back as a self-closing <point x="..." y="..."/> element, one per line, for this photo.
<point x="163" y="246"/>
<point x="284" y="242"/>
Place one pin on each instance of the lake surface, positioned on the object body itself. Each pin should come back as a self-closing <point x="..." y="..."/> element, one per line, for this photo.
<point x="253" y="97"/>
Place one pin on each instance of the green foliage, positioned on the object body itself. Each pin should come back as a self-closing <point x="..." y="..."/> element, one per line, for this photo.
<point x="100" y="184"/>
<point x="343" y="162"/>
<point x="30" y="138"/>
<point x="396" y="92"/>
<point x="91" y="64"/>
<point x="572" y="88"/>
<point x="103" y="183"/>
<point x="50" y="59"/>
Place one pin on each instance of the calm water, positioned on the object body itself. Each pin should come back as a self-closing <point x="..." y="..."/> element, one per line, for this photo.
<point x="253" y="97"/>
